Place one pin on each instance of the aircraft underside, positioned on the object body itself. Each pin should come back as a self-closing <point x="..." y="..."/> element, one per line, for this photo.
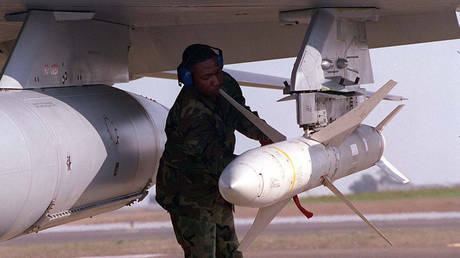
<point x="73" y="146"/>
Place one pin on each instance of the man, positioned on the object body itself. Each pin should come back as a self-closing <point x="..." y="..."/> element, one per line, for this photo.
<point x="200" y="130"/>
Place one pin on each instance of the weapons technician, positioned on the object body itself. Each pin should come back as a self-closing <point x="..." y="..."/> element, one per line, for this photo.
<point x="200" y="143"/>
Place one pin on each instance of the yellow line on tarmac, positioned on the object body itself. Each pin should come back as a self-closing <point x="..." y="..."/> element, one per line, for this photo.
<point x="292" y="165"/>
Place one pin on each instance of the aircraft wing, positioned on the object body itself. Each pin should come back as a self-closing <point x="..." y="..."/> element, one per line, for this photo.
<point x="247" y="30"/>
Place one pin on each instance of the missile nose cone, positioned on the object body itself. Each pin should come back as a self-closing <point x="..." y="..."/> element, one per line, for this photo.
<point x="240" y="184"/>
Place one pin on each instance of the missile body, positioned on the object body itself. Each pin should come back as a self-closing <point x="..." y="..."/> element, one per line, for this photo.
<point x="269" y="174"/>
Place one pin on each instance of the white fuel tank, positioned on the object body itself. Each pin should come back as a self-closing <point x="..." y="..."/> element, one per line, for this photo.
<point x="66" y="151"/>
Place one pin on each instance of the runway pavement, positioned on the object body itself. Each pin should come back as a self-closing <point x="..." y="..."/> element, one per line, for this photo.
<point x="336" y="253"/>
<point x="283" y="226"/>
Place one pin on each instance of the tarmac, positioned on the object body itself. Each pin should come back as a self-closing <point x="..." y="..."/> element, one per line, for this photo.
<point x="281" y="227"/>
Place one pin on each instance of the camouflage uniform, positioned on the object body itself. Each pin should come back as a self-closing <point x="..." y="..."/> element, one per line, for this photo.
<point x="200" y="145"/>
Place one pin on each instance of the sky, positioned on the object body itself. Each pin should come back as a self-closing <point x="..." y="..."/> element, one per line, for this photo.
<point x="422" y="141"/>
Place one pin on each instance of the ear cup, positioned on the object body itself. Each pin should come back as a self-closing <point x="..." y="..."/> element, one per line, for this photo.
<point x="188" y="79"/>
<point x="220" y="60"/>
<point x="185" y="76"/>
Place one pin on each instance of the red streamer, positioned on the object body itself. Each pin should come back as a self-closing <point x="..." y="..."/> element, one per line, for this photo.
<point x="302" y="209"/>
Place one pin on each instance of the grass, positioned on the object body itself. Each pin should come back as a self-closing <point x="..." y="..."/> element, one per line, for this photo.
<point x="358" y="239"/>
<point x="434" y="193"/>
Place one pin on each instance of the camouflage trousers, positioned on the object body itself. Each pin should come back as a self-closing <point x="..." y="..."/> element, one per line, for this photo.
<point x="201" y="239"/>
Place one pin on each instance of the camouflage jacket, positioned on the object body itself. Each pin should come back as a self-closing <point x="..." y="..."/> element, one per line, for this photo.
<point x="200" y="144"/>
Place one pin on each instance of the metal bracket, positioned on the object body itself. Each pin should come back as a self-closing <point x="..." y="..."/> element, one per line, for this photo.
<point x="49" y="219"/>
<point x="334" y="57"/>
<point x="59" y="49"/>
<point x="334" y="51"/>
<point x="144" y="191"/>
<point x="42" y="220"/>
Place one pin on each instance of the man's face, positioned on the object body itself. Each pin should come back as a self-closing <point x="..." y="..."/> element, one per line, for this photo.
<point x="207" y="77"/>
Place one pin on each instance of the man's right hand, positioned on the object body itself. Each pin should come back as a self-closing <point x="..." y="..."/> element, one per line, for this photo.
<point x="266" y="141"/>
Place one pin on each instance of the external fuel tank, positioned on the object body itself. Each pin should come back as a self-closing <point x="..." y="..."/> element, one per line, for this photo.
<point x="69" y="153"/>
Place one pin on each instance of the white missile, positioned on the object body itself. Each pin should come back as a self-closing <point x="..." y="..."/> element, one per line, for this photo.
<point x="267" y="177"/>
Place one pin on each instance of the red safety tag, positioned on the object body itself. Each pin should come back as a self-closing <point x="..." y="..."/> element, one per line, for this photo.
<point x="302" y="209"/>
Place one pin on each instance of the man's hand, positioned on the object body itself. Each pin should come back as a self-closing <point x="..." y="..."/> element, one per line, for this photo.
<point x="265" y="141"/>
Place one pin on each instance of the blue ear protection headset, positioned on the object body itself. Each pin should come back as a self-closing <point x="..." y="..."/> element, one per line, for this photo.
<point x="184" y="75"/>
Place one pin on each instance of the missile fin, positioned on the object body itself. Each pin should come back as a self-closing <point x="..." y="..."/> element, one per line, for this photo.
<point x="244" y="78"/>
<point x="387" y="97"/>
<point x="391" y="170"/>
<point x="263" y="218"/>
<point x="257" y="80"/>
<point x="335" y="133"/>
<point x="326" y="182"/>
<point x="287" y="98"/>
<point x="388" y="118"/>
<point x="269" y="131"/>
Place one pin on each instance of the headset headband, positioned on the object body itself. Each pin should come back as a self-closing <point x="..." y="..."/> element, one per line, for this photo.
<point x="219" y="54"/>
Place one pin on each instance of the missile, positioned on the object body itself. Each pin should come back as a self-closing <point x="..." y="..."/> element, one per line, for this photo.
<point x="267" y="177"/>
